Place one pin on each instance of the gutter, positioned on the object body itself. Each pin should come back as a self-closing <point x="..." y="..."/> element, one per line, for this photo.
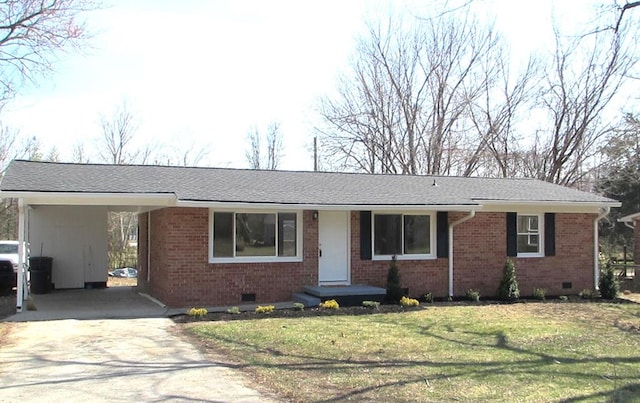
<point x="596" y="253"/>
<point x="472" y="214"/>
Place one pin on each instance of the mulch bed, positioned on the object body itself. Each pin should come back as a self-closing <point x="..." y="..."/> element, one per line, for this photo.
<point x="383" y="308"/>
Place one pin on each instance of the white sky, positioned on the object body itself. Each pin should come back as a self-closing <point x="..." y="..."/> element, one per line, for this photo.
<point x="201" y="73"/>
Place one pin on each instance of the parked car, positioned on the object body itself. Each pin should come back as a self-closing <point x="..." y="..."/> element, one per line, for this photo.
<point x="9" y="251"/>
<point x="124" y="272"/>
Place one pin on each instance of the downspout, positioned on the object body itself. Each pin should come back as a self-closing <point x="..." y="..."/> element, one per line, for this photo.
<point x="596" y="252"/>
<point x="148" y="247"/>
<point x="472" y="214"/>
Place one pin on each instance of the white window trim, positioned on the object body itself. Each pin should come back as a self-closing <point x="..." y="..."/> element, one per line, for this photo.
<point x="257" y="259"/>
<point x="422" y="256"/>
<point x="540" y="252"/>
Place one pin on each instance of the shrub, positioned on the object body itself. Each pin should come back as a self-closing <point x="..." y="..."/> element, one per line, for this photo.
<point x="265" y="309"/>
<point x="563" y="298"/>
<point x="197" y="312"/>
<point x="428" y="297"/>
<point x="588" y="294"/>
<point x="330" y="304"/>
<point x="394" y="292"/>
<point x="407" y="302"/>
<point x="473" y="295"/>
<point x="233" y="310"/>
<point x="298" y="306"/>
<point x="371" y="304"/>
<point x="609" y="287"/>
<point x="508" y="289"/>
<point x="539" y="293"/>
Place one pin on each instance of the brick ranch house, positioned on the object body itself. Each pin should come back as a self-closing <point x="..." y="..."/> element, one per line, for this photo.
<point x="218" y="237"/>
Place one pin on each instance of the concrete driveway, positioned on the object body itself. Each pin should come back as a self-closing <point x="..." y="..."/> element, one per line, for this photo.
<point x="102" y="360"/>
<point x="104" y="303"/>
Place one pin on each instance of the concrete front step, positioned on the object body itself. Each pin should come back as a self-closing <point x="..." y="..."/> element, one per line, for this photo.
<point x="306" y="299"/>
<point x="345" y="295"/>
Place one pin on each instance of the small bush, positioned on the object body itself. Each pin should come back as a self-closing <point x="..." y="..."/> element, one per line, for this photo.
<point x="408" y="302"/>
<point x="233" y="310"/>
<point x="330" y="304"/>
<point x="394" y="292"/>
<point x="473" y="295"/>
<point x="197" y="312"/>
<point x="265" y="309"/>
<point x="298" y="306"/>
<point x="539" y="293"/>
<point x="428" y="297"/>
<point x="588" y="294"/>
<point x="371" y="304"/>
<point x="563" y="298"/>
<point x="609" y="287"/>
<point x="508" y="289"/>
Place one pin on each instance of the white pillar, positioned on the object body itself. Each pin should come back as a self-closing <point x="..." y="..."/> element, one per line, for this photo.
<point x="22" y="293"/>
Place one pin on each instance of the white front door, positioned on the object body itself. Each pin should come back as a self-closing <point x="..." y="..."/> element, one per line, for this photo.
<point x="333" y="260"/>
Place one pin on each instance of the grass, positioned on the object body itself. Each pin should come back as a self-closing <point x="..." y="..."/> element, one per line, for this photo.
<point x="521" y="352"/>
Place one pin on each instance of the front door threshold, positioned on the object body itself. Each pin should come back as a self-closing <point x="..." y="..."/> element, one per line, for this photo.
<point x="333" y="283"/>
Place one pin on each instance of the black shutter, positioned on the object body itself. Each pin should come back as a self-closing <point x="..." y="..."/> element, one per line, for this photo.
<point x="550" y="234"/>
<point x="512" y="234"/>
<point x="442" y="238"/>
<point x="365" y="235"/>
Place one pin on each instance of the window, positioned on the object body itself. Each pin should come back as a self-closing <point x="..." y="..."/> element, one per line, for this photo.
<point x="251" y="236"/>
<point x="402" y="235"/>
<point x="528" y="232"/>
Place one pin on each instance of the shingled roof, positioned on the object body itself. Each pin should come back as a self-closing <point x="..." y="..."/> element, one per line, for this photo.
<point x="281" y="187"/>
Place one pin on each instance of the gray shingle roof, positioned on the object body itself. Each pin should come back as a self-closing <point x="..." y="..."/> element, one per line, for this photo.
<point x="282" y="187"/>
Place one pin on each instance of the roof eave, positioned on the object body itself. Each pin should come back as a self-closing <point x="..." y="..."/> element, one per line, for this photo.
<point x="92" y="199"/>
<point x="317" y="206"/>
<point x="548" y="205"/>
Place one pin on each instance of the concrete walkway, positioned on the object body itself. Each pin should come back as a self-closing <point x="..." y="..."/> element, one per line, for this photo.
<point x="113" y="360"/>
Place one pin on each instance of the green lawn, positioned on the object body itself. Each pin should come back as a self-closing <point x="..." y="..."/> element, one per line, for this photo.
<point x="522" y="352"/>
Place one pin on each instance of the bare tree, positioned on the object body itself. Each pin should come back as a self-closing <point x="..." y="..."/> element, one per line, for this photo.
<point x="269" y="158"/>
<point x="496" y="115"/>
<point x="253" y="153"/>
<point x="32" y="32"/>
<point x="115" y="147"/>
<point x="184" y="154"/>
<point x="118" y="131"/>
<point x="402" y="107"/>
<point x="79" y="154"/>
<point x="584" y="77"/>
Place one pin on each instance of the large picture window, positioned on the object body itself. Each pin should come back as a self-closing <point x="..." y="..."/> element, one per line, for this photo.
<point x="240" y="235"/>
<point x="529" y="239"/>
<point x="402" y="235"/>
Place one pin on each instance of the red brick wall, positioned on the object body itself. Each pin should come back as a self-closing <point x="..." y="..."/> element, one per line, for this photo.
<point x="419" y="276"/>
<point x="479" y="256"/>
<point x="181" y="275"/>
<point x="480" y="253"/>
<point x="142" y="252"/>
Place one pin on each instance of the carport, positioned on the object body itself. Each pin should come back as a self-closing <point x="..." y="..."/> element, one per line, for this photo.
<point x="58" y="219"/>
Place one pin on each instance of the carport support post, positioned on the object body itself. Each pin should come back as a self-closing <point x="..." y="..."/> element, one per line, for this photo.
<point x="22" y="293"/>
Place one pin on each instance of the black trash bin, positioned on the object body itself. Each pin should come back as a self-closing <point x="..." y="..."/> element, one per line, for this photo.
<point x="40" y="268"/>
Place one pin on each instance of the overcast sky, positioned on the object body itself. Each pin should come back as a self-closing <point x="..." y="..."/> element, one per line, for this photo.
<point x="201" y="73"/>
